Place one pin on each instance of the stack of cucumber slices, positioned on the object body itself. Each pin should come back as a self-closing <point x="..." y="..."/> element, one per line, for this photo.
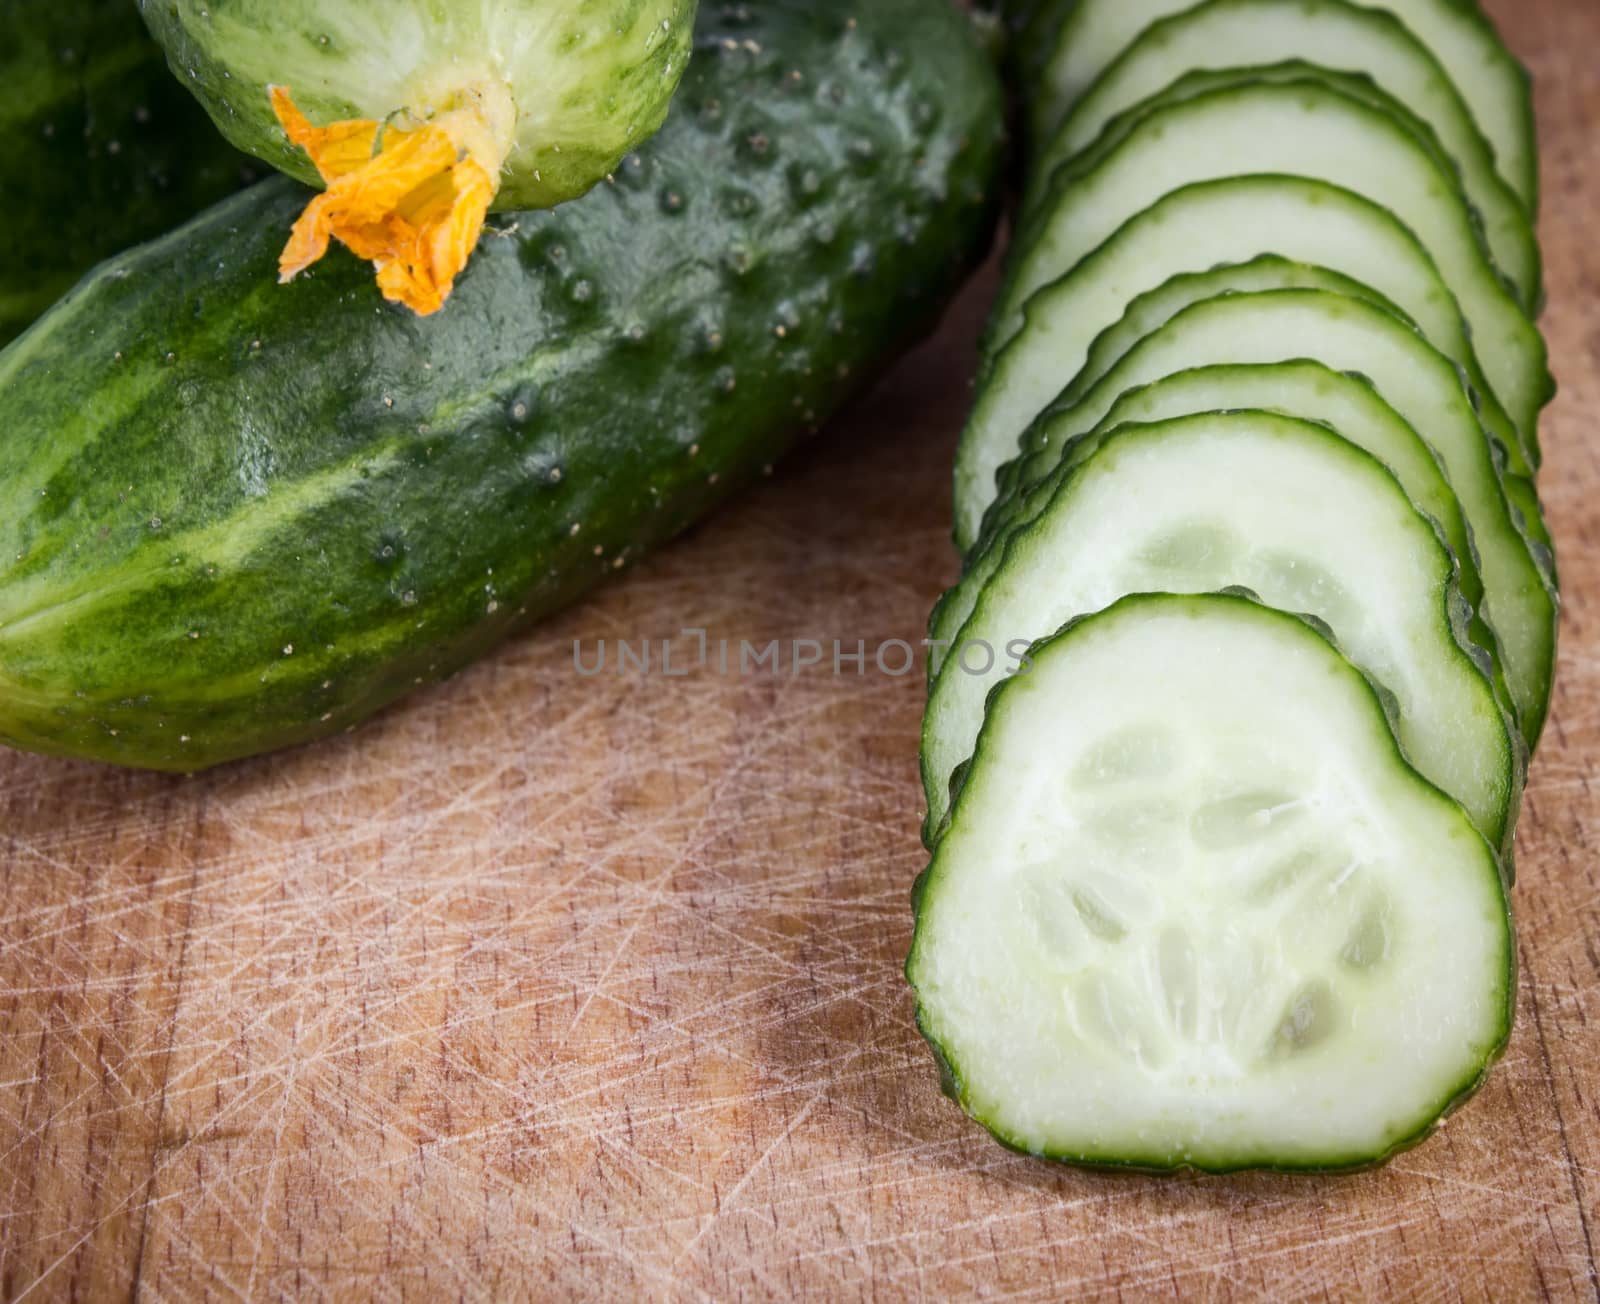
<point x="1220" y="874"/>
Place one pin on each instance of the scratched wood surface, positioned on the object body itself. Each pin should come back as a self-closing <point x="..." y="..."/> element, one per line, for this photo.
<point x="546" y="985"/>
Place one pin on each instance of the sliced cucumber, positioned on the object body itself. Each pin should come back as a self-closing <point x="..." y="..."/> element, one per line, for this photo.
<point x="1302" y="128"/>
<point x="1152" y="310"/>
<point x="1200" y="226"/>
<point x="1518" y="261"/>
<point x="1413" y="378"/>
<point x="1496" y="87"/>
<point x="1340" y="36"/>
<point x="1194" y="908"/>
<point x="1285" y="508"/>
<point x="1149" y="312"/>
<point x="1307" y="390"/>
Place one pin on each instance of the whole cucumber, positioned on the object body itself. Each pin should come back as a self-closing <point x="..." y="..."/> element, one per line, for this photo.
<point x="100" y="149"/>
<point x="237" y="516"/>
<point x="566" y="89"/>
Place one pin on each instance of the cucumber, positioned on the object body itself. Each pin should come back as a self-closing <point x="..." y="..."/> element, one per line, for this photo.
<point x="1237" y="33"/>
<point x="99" y="148"/>
<point x="1516" y="257"/>
<point x="1149" y="312"/>
<point x="1287" y="509"/>
<point x="236" y="516"/>
<point x="1309" y="391"/>
<point x="421" y="118"/>
<point x="1228" y="221"/>
<point x="1302" y="128"/>
<point x="1093" y="33"/>
<point x="1034" y="29"/>
<point x="1413" y="378"/>
<point x="566" y="90"/>
<point x="1195" y="909"/>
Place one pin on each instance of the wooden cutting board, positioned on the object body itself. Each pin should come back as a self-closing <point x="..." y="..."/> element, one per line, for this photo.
<point x="546" y="984"/>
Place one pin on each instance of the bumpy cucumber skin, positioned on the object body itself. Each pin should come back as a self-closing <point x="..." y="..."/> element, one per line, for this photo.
<point x="236" y="516"/>
<point x="951" y="1079"/>
<point x="600" y="81"/>
<point x="100" y="149"/>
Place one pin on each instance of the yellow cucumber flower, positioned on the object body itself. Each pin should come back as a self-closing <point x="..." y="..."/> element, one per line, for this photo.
<point x="409" y="199"/>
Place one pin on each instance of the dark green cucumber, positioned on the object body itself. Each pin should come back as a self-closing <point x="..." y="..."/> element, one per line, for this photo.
<point x="237" y="516"/>
<point x="100" y="149"/>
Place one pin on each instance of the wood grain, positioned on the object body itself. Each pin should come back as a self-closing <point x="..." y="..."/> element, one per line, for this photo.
<point x="546" y="984"/>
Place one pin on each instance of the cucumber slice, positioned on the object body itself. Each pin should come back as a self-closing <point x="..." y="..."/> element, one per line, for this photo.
<point x="1238" y="33"/>
<point x="1151" y="311"/>
<point x="1293" y="512"/>
<point x="1521" y="263"/>
<point x="1307" y="390"/>
<point x="1194" y="908"/>
<point x="1302" y="128"/>
<point x="1493" y="83"/>
<point x="1413" y="378"/>
<point x="1222" y="222"/>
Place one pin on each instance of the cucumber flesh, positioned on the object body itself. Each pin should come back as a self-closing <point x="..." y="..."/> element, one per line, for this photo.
<point x="1194" y="908"/>
<point x="1517" y="260"/>
<point x="1287" y="509"/>
<point x="1228" y="221"/>
<point x="1340" y="36"/>
<point x="1413" y="378"/>
<point x="1309" y="391"/>
<point x="1302" y="128"/>
<point x="1495" y="86"/>
<point x="1151" y="311"/>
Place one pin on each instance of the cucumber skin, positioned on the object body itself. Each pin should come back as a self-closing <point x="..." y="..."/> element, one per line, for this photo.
<point x="239" y="474"/>
<point x="623" y="103"/>
<point x="100" y="149"/>
<point x="950" y="1077"/>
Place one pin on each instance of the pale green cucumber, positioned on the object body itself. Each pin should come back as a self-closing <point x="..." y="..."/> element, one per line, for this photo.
<point x="1287" y="509"/>
<point x="1149" y="312"/>
<point x="564" y="90"/>
<point x="1306" y="390"/>
<point x="1209" y="224"/>
<point x="1195" y="909"/>
<point x="1093" y="33"/>
<point x="1302" y="128"/>
<point x="1413" y="378"/>
<point x="1238" y="34"/>
<point x="1516" y="259"/>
